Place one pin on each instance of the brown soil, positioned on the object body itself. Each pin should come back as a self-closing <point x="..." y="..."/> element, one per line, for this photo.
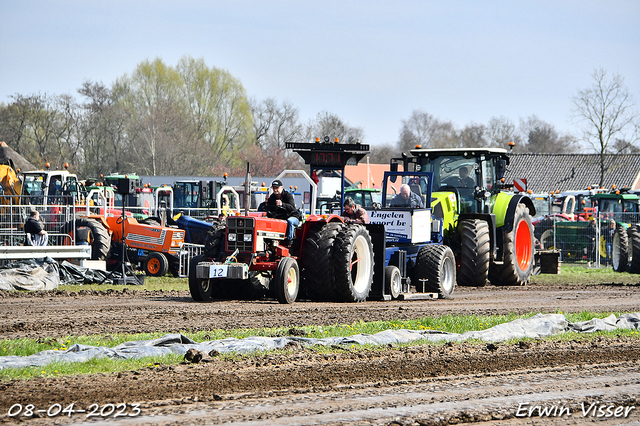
<point x="454" y="383"/>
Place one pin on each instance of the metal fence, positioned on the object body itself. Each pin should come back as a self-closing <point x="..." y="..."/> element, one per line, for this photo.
<point x="53" y="218"/>
<point x="581" y="241"/>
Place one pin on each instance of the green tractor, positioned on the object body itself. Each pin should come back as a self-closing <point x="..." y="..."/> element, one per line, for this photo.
<point x="489" y="229"/>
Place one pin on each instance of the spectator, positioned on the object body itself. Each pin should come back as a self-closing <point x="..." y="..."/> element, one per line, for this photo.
<point x="407" y="198"/>
<point x="282" y="205"/>
<point x="591" y="232"/>
<point x="34" y="234"/>
<point x="608" y="241"/>
<point x="353" y="213"/>
<point x="84" y="236"/>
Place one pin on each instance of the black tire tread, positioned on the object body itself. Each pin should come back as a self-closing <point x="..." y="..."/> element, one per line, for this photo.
<point x="623" y="249"/>
<point x="634" y="248"/>
<point x="317" y="275"/>
<point x="475" y="253"/>
<point x="429" y="265"/>
<point x="101" y="245"/>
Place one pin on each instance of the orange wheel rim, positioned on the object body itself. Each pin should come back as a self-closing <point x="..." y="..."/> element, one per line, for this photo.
<point x="523" y="245"/>
<point x="153" y="265"/>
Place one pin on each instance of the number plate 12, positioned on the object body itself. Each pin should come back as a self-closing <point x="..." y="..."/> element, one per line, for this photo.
<point x="218" y="271"/>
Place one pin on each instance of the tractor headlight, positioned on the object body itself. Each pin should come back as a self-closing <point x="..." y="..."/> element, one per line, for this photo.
<point x="232" y="237"/>
<point x="248" y="238"/>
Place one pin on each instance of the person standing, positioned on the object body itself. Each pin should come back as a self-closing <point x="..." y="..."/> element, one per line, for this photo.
<point x="34" y="234"/>
<point x="282" y="205"/>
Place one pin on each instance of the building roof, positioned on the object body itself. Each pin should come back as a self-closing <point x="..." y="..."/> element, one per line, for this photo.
<point x="563" y="172"/>
<point x="370" y="175"/>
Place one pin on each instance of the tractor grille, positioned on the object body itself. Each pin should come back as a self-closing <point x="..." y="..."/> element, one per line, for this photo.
<point x="240" y="234"/>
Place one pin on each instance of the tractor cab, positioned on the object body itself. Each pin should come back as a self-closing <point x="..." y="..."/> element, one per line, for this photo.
<point x="472" y="174"/>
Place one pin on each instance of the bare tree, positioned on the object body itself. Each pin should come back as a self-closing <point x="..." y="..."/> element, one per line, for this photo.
<point x="328" y="124"/>
<point x="542" y="137"/>
<point x="427" y="131"/>
<point x="607" y="112"/>
<point x="501" y="131"/>
<point x="273" y="126"/>
<point x="473" y="136"/>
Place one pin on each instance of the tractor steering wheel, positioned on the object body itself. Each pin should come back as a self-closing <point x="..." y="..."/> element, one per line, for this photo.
<point x="453" y="181"/>
<point x="276" y="212"/>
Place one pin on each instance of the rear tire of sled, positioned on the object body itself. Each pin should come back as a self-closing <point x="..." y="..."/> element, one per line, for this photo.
<point x="436" y="264"/>
<point x="393" y="278"/>
<point x="634" y="249"/>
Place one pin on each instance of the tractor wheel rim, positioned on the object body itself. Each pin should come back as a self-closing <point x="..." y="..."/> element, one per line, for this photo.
<point x="153" y="265"/>
<point x="292" y="281"/>
<point x="361" y="251"/>
<point x="523" y="245"/>
<point x="615" y="251"/>
<point x="396" y="283"/>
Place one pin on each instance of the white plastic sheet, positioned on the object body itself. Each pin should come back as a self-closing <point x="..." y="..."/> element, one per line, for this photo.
<point x="540" y="325"/>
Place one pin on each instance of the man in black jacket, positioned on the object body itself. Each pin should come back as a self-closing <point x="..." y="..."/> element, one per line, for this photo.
<point x="282" y="205"/>
<point x="34" y="234"/>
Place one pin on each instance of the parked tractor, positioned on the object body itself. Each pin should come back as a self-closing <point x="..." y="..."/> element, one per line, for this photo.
<point x="489" y="229"/>
<point x="395" y="256"/>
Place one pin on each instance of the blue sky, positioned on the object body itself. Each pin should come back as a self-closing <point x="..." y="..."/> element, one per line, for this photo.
<point x="370" y="62"/>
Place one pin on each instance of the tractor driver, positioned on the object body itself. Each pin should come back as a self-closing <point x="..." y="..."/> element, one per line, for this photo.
<point x="407" y="198"/>
<point x="289" y="212"/>
<point x="464" y="176"/>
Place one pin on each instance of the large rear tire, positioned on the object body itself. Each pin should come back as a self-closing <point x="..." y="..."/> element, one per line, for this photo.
<point x="436" y="264"/>
<point x="518" y="252"/>
<point x="353" y="264"/>
<point x="634" y="249"/>
<point x="101" y="244"/>
<point x="287" y="280"/>
<point x="474" y="253"/>
<point x="318" y="280"/>
<point x="201" y="289"/>
<point x="620" y="250"/>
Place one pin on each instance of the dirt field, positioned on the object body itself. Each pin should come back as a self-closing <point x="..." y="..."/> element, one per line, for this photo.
<point x="503" y="384"/>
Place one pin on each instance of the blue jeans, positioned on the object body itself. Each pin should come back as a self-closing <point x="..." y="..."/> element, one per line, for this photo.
<point x="292" y="222"/>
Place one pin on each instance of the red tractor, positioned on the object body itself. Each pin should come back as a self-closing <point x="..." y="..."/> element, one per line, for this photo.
<point x="328" y="260"/>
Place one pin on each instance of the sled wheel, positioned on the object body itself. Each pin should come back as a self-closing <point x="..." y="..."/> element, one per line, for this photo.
<point x="474" y="253"/>
<point x="287" y="280"/>
<point x="436" y="264"/>
<point x="353" y="264"/>
<point x="156" y="265"/>
<point x="393" y="279"/>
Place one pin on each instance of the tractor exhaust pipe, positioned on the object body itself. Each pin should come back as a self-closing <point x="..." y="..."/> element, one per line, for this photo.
<point x="247" y="191"/>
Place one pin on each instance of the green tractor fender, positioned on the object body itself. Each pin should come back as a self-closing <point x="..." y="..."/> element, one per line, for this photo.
<point x="504" y="208"/>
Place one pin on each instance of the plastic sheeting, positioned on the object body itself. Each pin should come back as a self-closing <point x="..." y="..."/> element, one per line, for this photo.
<point x="47" y="274"/>
<point x="540" y="325"/>
<point x="40" y="274"/>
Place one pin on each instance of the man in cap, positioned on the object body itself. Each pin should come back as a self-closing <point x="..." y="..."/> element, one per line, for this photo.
<point x="282" y="205"/>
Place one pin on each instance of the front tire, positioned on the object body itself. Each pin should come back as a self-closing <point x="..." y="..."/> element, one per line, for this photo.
<point x="518" y="252"/>
<point x="474" y="253"/>
<point x="201" y="289"/>
<point x="620" y="250"/>
<point x="353" y="264"/>
<point x="156" y="265"/>
<point x="436" y="264"/>
<point x="287" y="280"/>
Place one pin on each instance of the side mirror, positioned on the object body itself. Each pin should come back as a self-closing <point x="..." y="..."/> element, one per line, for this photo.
<point x="501" y="168"/>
